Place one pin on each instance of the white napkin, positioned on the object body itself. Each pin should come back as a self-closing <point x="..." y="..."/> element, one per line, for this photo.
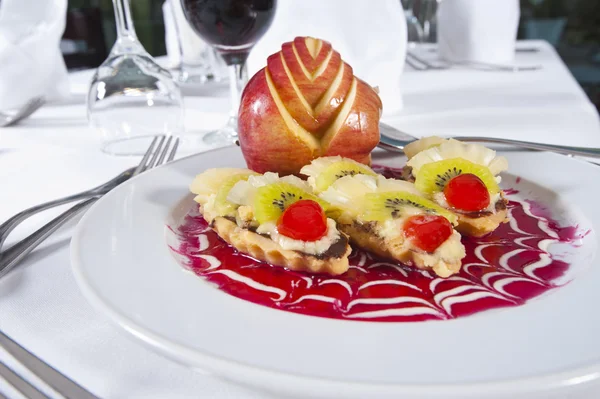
<point x="478" y="30"/>
<point x="369" y="35"/>
<point x="31" y="63"/>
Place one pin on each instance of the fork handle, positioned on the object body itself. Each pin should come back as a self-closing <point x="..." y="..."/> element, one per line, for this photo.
<point x="7" y="227"/>
<point x="12" y="256"/>
<point x="391" y="144"/>
<point x="561" y="149"/>
<point x="59" y="382"/>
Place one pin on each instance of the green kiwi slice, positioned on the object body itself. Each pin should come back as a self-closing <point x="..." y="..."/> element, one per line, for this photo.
<point x="434" y="176"/>
<point x="396" y="204"/>
<point x="338" y="170"/>
<point x="271" y="200"/>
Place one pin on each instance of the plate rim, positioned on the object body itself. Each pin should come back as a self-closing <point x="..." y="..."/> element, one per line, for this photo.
<point x="586" y="374"/>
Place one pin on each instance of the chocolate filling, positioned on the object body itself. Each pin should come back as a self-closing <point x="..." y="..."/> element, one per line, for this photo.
<point x="336" y="250"/>
<point x="500" y="206"/>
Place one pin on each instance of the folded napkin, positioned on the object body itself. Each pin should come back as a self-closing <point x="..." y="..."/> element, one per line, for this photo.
<point x="478" y="30"/>
<point x="31" y="63"/>
<point x="369" y="35"/>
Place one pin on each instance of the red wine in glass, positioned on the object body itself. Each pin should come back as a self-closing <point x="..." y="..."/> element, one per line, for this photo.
<point x="231" y="26"/>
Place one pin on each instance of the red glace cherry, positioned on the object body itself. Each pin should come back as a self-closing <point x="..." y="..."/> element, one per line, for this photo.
<point x="303" y="220"/>
<point x="427" y="232"/>
<point x="467" y="192"/>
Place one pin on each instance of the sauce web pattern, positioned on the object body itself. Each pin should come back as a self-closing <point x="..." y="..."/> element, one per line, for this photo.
<point x="503" y="269"/>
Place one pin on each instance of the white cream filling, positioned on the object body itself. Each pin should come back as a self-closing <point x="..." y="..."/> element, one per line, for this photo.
<point x="309" y="247"/>
<point x="449" y="251"/>
<point x="440" y="199"/>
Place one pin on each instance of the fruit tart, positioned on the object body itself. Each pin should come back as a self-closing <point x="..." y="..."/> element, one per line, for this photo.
<point x="386" y="216"/>
<point x="462" y="178"/>
<point x="275" y="220"/>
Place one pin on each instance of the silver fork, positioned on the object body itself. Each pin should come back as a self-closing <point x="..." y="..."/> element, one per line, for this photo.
<point x="60" y="383"/>
<point x="153" y="157"/>
<point x="394" y="140"/>
<point x="414" y="61"/>
<point x="8" y="226"/>
<point x="27" y="109"/>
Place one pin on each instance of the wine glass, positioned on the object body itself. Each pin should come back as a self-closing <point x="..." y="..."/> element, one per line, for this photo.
<point x="199" y="62"/>
<point x="232" y="27"/>
<point x="131" y="97"/>
<point x="414" y="29"/>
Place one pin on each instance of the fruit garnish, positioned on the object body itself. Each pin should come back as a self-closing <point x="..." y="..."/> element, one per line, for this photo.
<point x="427" y="232"/>
<point x="323" y="172"/>
<point x="412" y="149"/>
<point x="304" y="220"/>
<point x="271" y="200"/>
<point x="338" y="170"/>
<point x="393" y="205"/>
<point x="208" y="182"/>
<point x="222" y="206"/>
<point x="449" y="149"/>
<point x="305" y="103"/>
<point x="433" y="177"/>
<point x="467" y="192"/>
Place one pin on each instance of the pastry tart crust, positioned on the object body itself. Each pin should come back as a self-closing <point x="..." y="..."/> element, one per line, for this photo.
<point x="363" y="236"/>
<point x="267" y="250"/>
<point x="479" y="226"/>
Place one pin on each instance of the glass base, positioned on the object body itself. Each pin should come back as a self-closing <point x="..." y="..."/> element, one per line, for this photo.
<point x="131" y="146"/>
<point x="225" y="136"/>
<point x="189" y="143"/>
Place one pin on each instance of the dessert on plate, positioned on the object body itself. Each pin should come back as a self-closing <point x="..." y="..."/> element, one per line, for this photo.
<point x="388" y="217"/>
<point x="273" y="219"/>
<point x="460" y="177"/>
<point x="306" y="103"/>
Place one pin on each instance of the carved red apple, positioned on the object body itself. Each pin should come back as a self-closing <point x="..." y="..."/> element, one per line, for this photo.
<point x="306" y="103"/>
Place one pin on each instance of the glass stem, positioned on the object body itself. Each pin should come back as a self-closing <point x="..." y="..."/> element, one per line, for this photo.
<point x="127" y="41"/>
<point x="238" y="77"/>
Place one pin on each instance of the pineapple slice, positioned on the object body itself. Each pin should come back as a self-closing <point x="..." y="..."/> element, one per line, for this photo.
<point x="207" y="183"/>
<point x="475" y="153"/>
<point x="412" y="149"/>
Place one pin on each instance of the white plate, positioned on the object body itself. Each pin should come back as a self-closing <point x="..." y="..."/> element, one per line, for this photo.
<point x="548" y="346"/>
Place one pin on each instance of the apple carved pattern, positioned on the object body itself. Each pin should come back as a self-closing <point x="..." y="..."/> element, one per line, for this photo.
<point x="306" y="103"/>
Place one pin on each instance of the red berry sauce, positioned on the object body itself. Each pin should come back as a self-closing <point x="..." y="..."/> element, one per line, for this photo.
<point x="506" y="268"/>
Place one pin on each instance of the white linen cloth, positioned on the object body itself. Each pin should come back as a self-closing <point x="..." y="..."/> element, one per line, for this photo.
<point x="369" y="35"/>
<point x="54" y="153"/>
<point x="478" y="30"/>
<point x="31" y="63"/>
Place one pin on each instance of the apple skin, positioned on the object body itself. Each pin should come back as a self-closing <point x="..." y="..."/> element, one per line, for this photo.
<point x="338" y="113"/>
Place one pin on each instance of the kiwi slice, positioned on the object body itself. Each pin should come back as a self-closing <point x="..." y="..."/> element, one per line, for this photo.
<point x="393" y="205"/>
<point x="338" y="170"/>
<point x="222" y="206"/>
<point x="434" y="176"/>
<point x="271" y="200"/>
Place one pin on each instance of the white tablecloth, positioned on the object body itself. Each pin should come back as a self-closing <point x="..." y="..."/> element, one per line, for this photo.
<point x="54" y="153"/>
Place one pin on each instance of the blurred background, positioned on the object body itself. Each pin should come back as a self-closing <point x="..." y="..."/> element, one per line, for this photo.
<point x="571" y="26"/>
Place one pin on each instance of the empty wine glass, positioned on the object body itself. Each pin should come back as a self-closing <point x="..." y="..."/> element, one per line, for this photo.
<point x="232" y="27"/>
<point x="198" y="61"/>
<point x="414" y="30"/>
<point x="131" y="96"/>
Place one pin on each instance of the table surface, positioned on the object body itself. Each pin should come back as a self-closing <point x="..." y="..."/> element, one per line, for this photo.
<point x="54" y="153"/>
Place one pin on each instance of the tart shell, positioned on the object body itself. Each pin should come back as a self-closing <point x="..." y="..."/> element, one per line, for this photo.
<point x="267" y="250"/>
<point x="363" y="235"/>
